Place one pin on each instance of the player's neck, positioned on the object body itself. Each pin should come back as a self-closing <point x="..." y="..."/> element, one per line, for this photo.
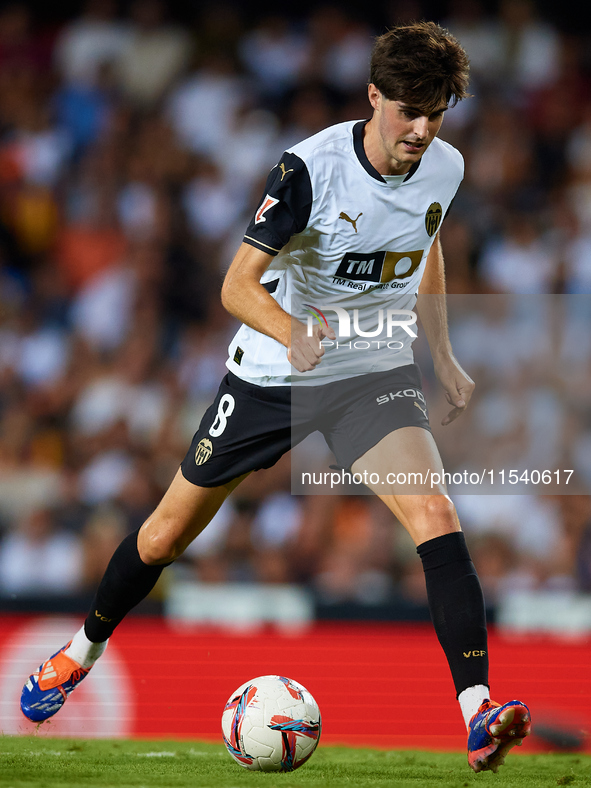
<point x="377" y="154"/>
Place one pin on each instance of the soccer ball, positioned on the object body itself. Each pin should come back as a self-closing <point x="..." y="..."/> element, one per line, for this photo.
<point x="271" y="724"/>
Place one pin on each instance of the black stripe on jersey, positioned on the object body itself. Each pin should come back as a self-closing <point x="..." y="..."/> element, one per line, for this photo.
<point x="365" y="162"/>
<point x="360" y="150"/>
<point x="285" y="207"/>
<point x="271" y="286"/>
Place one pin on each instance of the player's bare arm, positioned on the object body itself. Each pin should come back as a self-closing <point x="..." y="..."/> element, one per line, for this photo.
<point x="458" y="386"/>
<point x="247" y="300"/>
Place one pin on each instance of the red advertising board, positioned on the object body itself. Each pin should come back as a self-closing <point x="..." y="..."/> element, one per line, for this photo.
<point x="381" y="685"/>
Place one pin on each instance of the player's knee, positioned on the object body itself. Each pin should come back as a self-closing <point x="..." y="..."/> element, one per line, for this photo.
<point x="440" y="515"/>
<point x="156" y="545"/>
<point x="440" y="507"/>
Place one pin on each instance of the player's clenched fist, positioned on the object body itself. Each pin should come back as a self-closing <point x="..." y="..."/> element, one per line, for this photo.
<point x="305" y="350"/>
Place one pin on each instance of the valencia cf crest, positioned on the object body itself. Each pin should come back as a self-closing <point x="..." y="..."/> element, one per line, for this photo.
<point x="203" y="451"/>
<point x="433" y="218"/>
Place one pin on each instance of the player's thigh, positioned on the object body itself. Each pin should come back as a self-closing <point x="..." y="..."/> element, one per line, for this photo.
<point x="184" y="511"/>
<point x="406" y="461"/>
<point x="246" y="428"/>
<point x="405" y="470"/>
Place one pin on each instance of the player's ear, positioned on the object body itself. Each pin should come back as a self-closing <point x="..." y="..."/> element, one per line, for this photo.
<point x="374" y="95"/>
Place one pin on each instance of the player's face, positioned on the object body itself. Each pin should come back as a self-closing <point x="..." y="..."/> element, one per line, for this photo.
<point x="404" y="132"/>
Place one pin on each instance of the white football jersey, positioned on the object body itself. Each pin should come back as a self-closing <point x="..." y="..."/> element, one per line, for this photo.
<point x="350" y="247"/>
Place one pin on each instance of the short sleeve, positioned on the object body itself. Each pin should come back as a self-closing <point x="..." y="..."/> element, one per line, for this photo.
<point x="285" y="207"/>
<point x="449" y="208"/>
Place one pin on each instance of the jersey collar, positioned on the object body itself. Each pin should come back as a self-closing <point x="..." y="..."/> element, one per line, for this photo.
<point x="365" y="162"/>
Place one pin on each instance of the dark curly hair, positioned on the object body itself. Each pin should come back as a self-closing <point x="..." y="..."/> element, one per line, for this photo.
<point x="421" y="64"/>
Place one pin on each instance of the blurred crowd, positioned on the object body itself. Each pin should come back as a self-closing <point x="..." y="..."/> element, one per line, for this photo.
<point x="133" y="151"/>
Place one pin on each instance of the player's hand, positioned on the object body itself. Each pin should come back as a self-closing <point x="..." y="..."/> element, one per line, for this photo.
<point x="305" y="352"/>
<point x="458" y="387"/>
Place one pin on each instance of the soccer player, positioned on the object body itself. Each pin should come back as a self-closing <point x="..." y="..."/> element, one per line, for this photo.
<point x="349" y="222"/>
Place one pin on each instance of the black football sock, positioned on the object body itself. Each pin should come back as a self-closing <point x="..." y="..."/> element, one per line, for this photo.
<point x="127" y="580"/>
<point x="457" y="609"/>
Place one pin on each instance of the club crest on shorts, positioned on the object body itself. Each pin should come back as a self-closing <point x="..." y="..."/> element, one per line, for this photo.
<point x="203" y="451"/>
<point x="433" y="218"/>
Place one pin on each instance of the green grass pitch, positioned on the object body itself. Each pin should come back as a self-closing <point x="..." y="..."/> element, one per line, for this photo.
<point x="31" y="762"/>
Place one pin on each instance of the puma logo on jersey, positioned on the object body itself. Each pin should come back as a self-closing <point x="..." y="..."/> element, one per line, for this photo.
<point x="283" y="170"/>
<point x="423" y="410"/>
<point x="267" y="203"/>
<point x="344" y="216"/>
